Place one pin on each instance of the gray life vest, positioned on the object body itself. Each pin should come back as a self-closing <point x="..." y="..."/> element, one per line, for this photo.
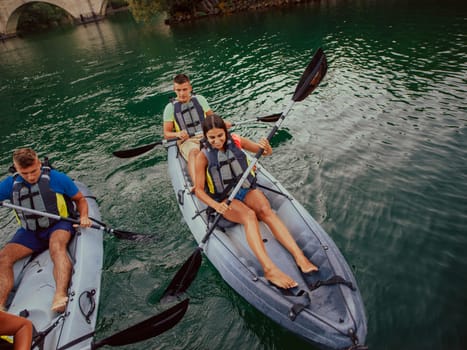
<point x="188" y="116"/>
<point x="225" y="168"/>
<point x="39" y="197"/>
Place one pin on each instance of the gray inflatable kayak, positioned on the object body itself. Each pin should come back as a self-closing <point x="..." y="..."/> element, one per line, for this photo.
<point x="35" y="286"/>
<point x="326" y="308"/>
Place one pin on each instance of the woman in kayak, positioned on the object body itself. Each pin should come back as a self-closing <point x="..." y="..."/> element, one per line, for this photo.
<point x="218" y="168"/>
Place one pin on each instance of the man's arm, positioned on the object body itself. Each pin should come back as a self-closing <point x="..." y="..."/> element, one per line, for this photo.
<point x="169" y="132"/>
<point x="82" y="206"/>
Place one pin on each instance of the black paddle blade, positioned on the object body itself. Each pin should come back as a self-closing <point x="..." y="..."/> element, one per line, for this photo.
<point x="184" y="276"/>
<point x="270" y="118"/>
<point x="146" y="329"/>
<point x="136" y="151"/>
<point x="312" y="76"/>
<point x="130" y="236"/>
<point x="121" y="234"/>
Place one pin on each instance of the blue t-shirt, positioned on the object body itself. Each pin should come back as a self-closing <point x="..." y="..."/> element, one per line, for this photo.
<point x="59" y="183"/>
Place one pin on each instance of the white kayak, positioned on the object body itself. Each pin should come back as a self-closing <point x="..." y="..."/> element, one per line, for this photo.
<point x="326" y="308"/>
<point x="35" y="287"/>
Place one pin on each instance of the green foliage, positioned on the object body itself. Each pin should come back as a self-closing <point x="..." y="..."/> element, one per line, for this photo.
<point x="144" y="10"/>
<point x="116" y="4"/>
<point x="39" y="16"/>
<point x="182" y="6"/>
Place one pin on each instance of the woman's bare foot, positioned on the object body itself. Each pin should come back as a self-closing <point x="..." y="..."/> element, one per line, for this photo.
<point x="280" y="279"/>
<point x="306" y="265"/>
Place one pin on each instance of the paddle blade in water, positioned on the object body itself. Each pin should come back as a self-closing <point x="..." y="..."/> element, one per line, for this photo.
<point x="131" y="236"/>
<point x="121" y="234"/>
<point x="184" y="276"/>
<point x="147" y="329"/>
<point x="312" y="76"/>
<point x="135" y="151"/>
<point x="270" y="118"/>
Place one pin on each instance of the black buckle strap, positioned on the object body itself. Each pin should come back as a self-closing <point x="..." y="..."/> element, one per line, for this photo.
<point x="298" y="306"/>
<point x="199" y="212"/>
<point x="354" y="338"/>
<point x="331" y="281"/>
<point x="76" y="341"/>
<point x="273" y="190"/>
<point x="180" y="194"/>
<point x="357" y="347"/>
<point x="38" y="339"/>
<point x="89" y="297"/>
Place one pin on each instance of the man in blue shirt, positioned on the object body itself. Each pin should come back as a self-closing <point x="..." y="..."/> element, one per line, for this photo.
<point x="35" y="186"/>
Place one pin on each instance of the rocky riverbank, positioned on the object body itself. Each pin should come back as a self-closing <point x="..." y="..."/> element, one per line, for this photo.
<point x="221" y="7"/>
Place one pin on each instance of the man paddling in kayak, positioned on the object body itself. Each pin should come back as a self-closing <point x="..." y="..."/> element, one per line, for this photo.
<point x="218" y="167"/>
<point x="35" y="186"/>
<point x="182" y="119"/>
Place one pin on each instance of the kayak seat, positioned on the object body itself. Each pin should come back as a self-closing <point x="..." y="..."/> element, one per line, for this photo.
<point x="222" y="223"/>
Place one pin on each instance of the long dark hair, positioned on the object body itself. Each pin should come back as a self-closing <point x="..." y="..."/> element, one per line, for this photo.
<point x="213" y="122"/>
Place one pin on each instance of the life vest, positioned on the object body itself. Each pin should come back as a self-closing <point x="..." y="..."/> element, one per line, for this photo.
<point x="225" y="168"/>
<point x="39" y="197"/>
<point x="188" y="116"/>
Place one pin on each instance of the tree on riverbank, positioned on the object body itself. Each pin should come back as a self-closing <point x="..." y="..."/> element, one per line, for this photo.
<point x="183" y="10"/>
<point x="42" y="16"/>
<point x="145" y="10"/>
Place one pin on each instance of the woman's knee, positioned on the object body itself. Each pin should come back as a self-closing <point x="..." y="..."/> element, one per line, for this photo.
<point x="243" y="216"/>
<point x="250" y="214"/>
<point x="264" y="211"/>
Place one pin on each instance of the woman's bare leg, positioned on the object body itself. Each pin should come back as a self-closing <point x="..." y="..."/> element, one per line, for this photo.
<point x="256" y="200"/>
<point x="242" y="214"/>
<point x="18" y="327"/>
<point x="11" y="253"/>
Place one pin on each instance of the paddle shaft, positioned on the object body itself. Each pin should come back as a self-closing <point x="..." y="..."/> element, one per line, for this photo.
<point x="133" y="152"/>
<point x="52" y="216"/>
<point x="309" y="80"/>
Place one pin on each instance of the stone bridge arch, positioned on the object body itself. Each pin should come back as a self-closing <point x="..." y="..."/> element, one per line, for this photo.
<point x="80" y="10"/>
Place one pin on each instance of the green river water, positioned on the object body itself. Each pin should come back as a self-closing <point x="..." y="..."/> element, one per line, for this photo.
<point x="377" y="154"/>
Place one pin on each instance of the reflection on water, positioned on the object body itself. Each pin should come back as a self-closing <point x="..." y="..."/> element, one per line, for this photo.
<point x="377" y="153"/>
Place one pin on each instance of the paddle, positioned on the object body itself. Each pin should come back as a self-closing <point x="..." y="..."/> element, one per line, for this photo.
<point x="310" y="79"/>
<point x="133" y="152"/>
<point x="131" y="236"/>
<point x="266" y="119"/>
<point x="146" y="329"/>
